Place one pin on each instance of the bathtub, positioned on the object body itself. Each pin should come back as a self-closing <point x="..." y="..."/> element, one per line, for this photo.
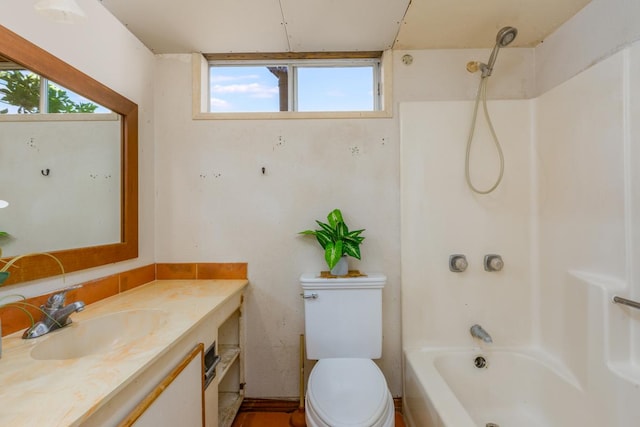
<point x="444" y="387"/>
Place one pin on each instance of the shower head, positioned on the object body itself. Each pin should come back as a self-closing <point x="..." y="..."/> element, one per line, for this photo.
<point x="504" y="37"/>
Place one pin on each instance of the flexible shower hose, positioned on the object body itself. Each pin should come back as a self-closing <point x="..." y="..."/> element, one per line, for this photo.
<point x="482" y="93"/>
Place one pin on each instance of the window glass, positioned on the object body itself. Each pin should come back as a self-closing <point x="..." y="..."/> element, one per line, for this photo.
<point x="246" y="88"/>
<point x="306" y="85"/>
<point x="335" y="89"/>
<point x="62" y="100"/>
<point x="20" y="94"/>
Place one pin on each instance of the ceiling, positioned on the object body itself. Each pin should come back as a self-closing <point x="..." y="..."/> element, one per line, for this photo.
<point x="239" y="26"/>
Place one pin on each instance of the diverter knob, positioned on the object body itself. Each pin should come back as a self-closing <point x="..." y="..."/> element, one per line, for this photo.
<point x="458" y="263"/>
<point x="493" y="262"/>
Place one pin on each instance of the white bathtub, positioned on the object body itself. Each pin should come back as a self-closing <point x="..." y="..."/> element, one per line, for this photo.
<point x="516" y="389"/>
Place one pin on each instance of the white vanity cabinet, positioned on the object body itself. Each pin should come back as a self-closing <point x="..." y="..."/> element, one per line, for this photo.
<point x="219" y="401"/>
<point x="178" y="400"/>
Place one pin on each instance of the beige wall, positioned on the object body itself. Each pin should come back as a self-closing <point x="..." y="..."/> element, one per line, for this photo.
<point x="214" y="204"/>
<point x="441" y="217"/>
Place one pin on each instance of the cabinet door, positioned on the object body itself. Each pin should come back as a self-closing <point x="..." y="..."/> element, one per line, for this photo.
<point x="178" y="400"/>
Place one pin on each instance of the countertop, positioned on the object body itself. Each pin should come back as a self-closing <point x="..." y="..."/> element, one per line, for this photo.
<point x="66" y="392"/>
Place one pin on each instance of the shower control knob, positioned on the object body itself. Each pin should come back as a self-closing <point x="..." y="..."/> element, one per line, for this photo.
<point x="493" y="262"/>
<point x="458" y="263"/>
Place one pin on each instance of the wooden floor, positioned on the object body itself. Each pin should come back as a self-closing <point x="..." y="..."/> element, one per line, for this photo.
<point x="276" y="419"/>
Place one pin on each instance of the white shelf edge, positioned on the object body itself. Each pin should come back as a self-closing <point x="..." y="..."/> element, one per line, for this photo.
<point x="228" y="405"/>
<point x="228" y="355"/>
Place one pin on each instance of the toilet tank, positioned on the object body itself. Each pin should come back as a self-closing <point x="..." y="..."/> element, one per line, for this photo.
<point x="343" y="316"/>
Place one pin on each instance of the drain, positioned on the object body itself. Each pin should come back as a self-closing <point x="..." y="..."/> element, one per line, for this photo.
<point x="480" y="362"/>
<point x="492" y="425"/>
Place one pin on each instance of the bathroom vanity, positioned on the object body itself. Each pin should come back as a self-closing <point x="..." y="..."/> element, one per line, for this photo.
<point x="133" y="358"/>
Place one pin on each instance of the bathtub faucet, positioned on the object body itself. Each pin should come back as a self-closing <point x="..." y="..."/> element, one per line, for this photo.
<point x="478" y="332"/>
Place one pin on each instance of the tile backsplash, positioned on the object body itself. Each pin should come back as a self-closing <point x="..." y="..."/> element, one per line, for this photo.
<point x="14" y="319"/>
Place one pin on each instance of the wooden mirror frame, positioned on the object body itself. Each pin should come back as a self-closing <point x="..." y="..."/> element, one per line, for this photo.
<point x="32" y="57"/>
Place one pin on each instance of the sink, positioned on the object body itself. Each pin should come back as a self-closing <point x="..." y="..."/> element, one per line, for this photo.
<point x="99" y="335"/>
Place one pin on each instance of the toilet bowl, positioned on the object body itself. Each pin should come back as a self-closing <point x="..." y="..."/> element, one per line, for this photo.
<point x="348" y="392"/>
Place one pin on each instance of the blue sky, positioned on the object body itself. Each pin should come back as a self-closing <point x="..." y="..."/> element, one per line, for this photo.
<point x="255" y="89"/>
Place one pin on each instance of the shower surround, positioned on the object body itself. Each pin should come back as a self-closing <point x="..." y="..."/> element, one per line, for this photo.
<point x="566" y="220"/>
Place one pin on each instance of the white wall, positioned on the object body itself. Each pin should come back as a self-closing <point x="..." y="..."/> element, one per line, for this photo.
<point x="589" y="217"/>
<point x="215" y="205"/>
<point x="104" y="49"/>
<point x="600" y="29"/>
<point x="583" y="213"/>
<point x="588" y="204"/>
<point x="441" y="75"/>
<point x="441" y="217"/>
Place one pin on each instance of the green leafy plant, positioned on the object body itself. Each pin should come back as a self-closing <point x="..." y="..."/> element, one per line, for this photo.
<point x="336" y="239"/>
<point x="21" y="89"/>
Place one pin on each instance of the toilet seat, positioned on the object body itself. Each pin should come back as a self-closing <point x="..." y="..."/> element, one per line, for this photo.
<point x="348" y="392"/>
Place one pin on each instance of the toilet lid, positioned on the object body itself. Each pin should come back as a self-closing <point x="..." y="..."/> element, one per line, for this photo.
<point x="348" y="392"/>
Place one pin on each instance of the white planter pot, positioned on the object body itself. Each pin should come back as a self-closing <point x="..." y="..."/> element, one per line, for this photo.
<point x="341" y="268"/>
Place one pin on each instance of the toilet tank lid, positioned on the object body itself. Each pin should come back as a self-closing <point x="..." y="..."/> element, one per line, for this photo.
<point x="371" y="280"/>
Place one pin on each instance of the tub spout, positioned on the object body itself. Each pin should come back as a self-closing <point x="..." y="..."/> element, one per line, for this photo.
<point x="478" y="332"/>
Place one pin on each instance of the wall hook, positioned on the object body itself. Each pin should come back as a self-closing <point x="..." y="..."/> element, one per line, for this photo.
<point x="45" y="172"/>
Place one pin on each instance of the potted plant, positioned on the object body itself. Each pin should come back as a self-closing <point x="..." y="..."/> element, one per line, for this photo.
<point x="337" y="241"/>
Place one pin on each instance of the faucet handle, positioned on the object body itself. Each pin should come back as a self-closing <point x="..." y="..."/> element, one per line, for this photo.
<point x="493" y="262"/>
<point x="57" y="300"/>
<point x="458" y="263"/>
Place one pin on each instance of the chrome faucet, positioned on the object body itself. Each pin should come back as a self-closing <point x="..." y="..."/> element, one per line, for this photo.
<point x="478" y="332"/>
<point x="55" y="314"/>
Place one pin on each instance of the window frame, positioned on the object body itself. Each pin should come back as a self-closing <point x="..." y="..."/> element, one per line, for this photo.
<point x="381" y="82"/>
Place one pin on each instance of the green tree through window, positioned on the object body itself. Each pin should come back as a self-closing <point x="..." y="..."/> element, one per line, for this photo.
<point x="21" y="89"/>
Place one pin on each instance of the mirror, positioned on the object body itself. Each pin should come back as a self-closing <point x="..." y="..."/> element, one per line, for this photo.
<point x="87" y="255"/>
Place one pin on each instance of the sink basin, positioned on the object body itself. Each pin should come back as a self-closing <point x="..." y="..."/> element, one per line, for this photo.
<point x="99" y="335"/>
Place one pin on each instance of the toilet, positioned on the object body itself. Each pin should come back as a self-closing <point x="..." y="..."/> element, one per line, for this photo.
<point x="343" y="332"/>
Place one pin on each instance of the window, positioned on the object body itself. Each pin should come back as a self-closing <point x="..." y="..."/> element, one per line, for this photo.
<point x="21" y="92"/>
<point x="347" y="84"/>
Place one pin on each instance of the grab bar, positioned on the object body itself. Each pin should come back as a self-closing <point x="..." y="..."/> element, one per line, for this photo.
<point x="624" y="301"/>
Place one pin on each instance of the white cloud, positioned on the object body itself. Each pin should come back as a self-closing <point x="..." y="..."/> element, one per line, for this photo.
<point x="222" y="78"/>
<point x="218" y="104"/>
<point x="254" y="90"/>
